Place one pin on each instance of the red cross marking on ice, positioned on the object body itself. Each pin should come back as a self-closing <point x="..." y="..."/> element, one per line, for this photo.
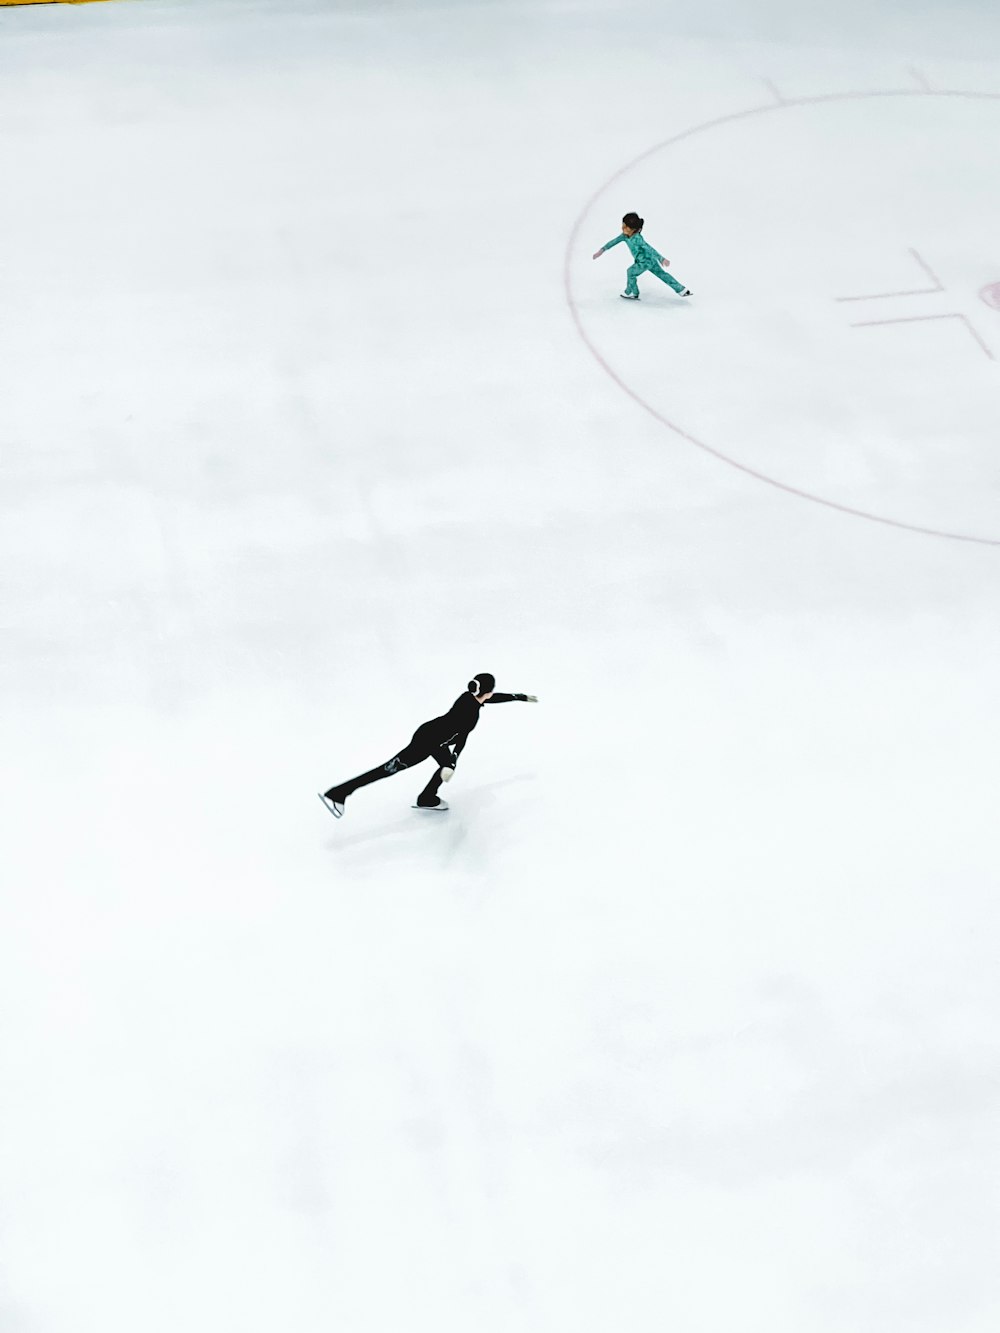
<point x="991" y="295"/>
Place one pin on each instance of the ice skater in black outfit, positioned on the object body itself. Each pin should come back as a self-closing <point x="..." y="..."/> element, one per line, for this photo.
<point x="442" y="739"/>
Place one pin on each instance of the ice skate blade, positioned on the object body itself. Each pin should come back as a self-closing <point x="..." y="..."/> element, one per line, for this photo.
<point x="431" y="809"/>
<point x="337" y="812"/>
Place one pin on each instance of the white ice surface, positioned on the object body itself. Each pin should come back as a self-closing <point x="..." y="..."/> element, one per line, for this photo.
<point x="685" y="1016"/>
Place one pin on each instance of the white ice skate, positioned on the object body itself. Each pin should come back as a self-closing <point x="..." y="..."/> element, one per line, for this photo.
<point x="685" y="292"/>
<point x="336" y="808"/>
<point x="630" y="296"/>
<point x="433" y="809"/>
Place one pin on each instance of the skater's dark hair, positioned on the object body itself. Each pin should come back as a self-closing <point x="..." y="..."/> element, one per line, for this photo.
<point x="634" y="221"/>
<point x="484" y="683"/>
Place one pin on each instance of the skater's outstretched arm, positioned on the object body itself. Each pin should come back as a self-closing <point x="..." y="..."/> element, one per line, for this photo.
<point x="618" y="238"/>
<point x="510" y="698"/>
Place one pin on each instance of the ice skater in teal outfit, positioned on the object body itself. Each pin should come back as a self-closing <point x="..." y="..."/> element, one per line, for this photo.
<point x="647" y="260"/>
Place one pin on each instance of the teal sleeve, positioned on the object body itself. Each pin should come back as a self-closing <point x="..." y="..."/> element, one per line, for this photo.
<point x="619" y="237"/>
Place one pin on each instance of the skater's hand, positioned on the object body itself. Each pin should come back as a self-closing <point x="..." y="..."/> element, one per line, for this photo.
<point x="527" y="698"/>
<point x="447" y="774"/>
<point x="598" y="253"/>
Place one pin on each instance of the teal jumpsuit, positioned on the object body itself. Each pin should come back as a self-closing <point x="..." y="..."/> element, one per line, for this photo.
<point x="647" y="260"/>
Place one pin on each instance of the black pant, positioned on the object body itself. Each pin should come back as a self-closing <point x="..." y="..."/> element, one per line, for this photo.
<point x="423" y="745"/>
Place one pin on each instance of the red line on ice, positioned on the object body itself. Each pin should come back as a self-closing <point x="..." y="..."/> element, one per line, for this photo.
<point x="916" y="319"/>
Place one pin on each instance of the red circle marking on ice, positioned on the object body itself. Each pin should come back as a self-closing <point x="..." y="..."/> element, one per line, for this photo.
<point x="991" y="295"/>
<point x="672" y="425"/>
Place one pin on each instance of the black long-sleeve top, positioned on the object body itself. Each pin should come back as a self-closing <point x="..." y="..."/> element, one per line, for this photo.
<point x="453" y="727"/>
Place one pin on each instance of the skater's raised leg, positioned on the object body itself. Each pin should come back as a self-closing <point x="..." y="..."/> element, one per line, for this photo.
<point x="341" y="792"/>
<point x="336" y="796"/>
<point x="669" y="279"/>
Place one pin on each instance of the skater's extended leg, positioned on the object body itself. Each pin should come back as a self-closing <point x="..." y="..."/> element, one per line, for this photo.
<point x="335" y="797"/>
<point x="414" y="753"/>
<point x="345" y="789"/>
<point x="668" y="278"/>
